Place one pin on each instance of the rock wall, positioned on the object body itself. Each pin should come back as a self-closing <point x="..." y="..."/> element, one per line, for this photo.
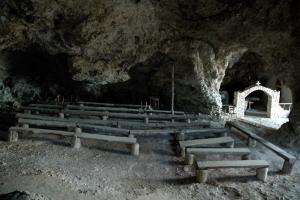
<point x="105" y="44"/>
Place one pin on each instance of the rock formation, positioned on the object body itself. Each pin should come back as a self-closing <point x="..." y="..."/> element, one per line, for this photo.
<point x="122" y="50"/>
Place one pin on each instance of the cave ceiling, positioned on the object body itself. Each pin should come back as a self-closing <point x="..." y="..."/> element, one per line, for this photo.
<point x="115" y="50"/>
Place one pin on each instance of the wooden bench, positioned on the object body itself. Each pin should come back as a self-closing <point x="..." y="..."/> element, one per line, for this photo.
<point x="144" y="117"/>
<point x="86" y="121"/>
<point x="120" y="109"/>
<point x="28" y="109"/>
<point x="220" y="140"/>
<point x="138" y="125"/>
<point x="260" y="165"/>
<point x="77" y="135"/>
<point x="46" y="106"/>
<point x="189" y="156"/>
<point x="72" y="125"/>
<point x="189" y="143"/>
<point x="115" y="123"/>
<point x="290" y="160"/>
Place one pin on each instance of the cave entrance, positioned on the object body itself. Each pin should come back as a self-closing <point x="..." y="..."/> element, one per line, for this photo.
<point x="273" y="108"/>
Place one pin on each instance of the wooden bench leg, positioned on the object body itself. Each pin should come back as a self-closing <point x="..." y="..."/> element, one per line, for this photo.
<point x="189" y="159"/>
<point x="287" y="167"/>
<point x="181" y="151"/>
<point x="261" y="173"/>
<point x="76" y="142"/>
<point x="27" y="112"/>
<point x="223" y="134"/>
<point x="146" y="120"/>
<point x="25" y="125"/>
<point x="104" y="117"/>
<point x="251" y="142"/>
<point x="246" y="157"/>
<point x="180" y="136"/>
<point x="135" y="149"/>
<point x="12" y="136"/>
<point x="230" y="144"/>
<point x="201" y="175"/>
<point x="61" y="115"/>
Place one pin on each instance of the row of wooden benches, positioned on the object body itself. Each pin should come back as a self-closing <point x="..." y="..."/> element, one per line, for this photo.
<point x="105" y="126"/>
<point x="112" y="112"/>
<point x="187" y="151"/>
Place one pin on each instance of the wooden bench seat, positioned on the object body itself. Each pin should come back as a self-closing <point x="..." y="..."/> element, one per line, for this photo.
<point x="77" y="135"/>
<point x="220" y="140"/>
<point x="189" y="156"/>
<point x="203" y="167"/>
<point x="46" y="106"/>
<point x="146" y="117"/>
<point x="119" y="109"/>
<point x="179" y="130"/>
<point x="290" y="160"/>
<point x="229" y="141"/>
<point x="46" y="110"/>
<point x="86" y="121"/>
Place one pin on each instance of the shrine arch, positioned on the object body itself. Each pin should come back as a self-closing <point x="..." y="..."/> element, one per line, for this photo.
<point x="273" y="108"/>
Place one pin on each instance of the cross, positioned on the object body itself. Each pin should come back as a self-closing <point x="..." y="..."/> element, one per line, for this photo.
<point x="173" y="87"/>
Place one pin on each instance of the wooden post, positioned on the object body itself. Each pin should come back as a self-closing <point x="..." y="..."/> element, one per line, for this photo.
<point x="261" y="173"/>
<point x="25" y="125"/>
<point x="104" y="117"/>
<point x="246" y="157"/>
<point x="230" y="144"/>
<point x="61" y="115"/>
<point x="180" y="136"/>
<point x="189" y="159"/>
<point x="146" y="120"/>
<point x="201" y="175"/>
<point x="251" y="142"/>
<point x="12" y="136"/>
<point x="28" y="112"/>
<point x="131" y="136"/>
<point x="135" y="149"/>
<point x="76" y="142"/>
<point x="287" y="167"/>
<point x="224" y="134"/>
<point x="172" y="103"/>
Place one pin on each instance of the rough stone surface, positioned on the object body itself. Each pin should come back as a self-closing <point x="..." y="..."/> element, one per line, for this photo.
<point x="22" y="195"/>
<point x="110" y="49"/>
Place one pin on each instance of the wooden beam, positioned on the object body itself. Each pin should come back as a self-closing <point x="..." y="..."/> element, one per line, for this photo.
<point x="233" y="164"/>
<point x="47" y="123"/>
<point x="41" y="131"/>
<point x="230" y="151"/>
<point x="172" y="103"/>
<point x="40" y="109"/>
<point x="46" y="106"/>
<point x="177" y="130"/>
<point x="269" y="145"/>
<point x="106" y="138"/>
<point x="127" y="115"/>
<point x="219" y="140"/>
<point x="104" y="128"/>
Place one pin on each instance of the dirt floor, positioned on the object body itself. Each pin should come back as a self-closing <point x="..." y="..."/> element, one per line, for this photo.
<point x="47" y="166"/>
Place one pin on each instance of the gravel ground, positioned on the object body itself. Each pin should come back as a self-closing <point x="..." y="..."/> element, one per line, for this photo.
<point x="47" y="165"/>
